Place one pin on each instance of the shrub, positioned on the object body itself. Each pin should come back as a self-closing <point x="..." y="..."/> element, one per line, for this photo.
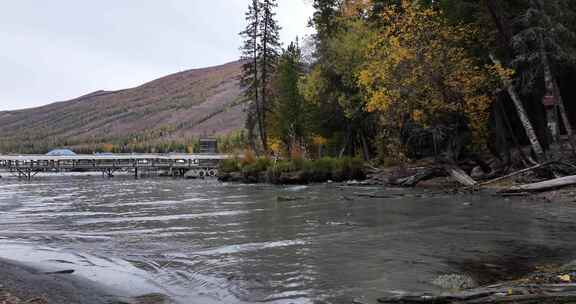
<point x="275" y="170"/>
<point x="248" y="159"/>
<point x="229" y="165"/>
<point x="259" y="165"/>
<point x="348" y="168"/>
<point x="357" y="169"/>
<point x="320" y="170"/>
<point x="340" y="169"/>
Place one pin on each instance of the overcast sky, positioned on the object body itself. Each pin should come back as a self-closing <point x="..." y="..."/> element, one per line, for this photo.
<point x="61" y="49"/>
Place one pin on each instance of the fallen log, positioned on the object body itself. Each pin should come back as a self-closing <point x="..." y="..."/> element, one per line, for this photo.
<point x="440" y="171"/>
<point x="513" y="174"/>
<point x="529" y="299"/>
<point x="378" y="196"/>
<point x="553" y="293"/>
<point x="545" y="185"/>
<point x="516" y="194"/>
<point x="421" y="175"/>
<point x="460" y="176"/>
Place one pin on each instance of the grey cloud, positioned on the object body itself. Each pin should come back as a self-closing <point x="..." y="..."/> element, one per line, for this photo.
<point x="60" y="49"/>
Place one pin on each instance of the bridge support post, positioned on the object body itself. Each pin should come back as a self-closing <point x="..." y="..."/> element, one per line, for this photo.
<point x="25" y="174"/>
<point x="108" y="173"/>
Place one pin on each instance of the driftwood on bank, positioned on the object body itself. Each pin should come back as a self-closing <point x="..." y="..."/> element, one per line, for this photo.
<point x="545" y="185"/>
<point x="546" y="293"/>
<point x="513" y="174"/>
<point x="439" y="171"/>
<point x="421" y="175"/>
<point x="460" y="176"/>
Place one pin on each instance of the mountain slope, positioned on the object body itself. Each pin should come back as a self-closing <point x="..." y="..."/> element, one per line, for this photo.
<point x="173" y="108"/>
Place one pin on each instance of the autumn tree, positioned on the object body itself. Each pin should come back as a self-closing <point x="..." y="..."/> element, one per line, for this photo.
<point x="418" y="66"/>
<point x="332" y="83"/>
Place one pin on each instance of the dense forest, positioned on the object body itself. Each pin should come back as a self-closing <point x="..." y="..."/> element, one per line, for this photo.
<point x="392" y="81"/>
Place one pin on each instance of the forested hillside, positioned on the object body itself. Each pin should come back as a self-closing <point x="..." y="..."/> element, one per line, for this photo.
<point x="164" y="115"/>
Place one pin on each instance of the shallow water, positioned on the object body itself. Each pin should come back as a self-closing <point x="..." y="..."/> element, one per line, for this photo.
<point x="207" y="242"/>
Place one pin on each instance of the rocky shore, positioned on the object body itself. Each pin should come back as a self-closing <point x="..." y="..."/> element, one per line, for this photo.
<point x="22" y="284"/>
<point x="550" y="285"/>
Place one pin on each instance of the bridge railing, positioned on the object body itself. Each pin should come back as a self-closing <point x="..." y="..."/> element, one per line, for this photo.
<point x="111" y="161"/>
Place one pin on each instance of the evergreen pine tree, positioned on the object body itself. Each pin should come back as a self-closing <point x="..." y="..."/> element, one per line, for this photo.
<point x="250" y="81"/>
<point x="544" y="41"/>
<point x="260" y="53"/>
<point x="269" y="52"/>
<point x="289" y="116"/>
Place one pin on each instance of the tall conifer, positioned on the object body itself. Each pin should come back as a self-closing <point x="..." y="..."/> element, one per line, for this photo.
<point x="269" y="52"/>
<point x="250" y="79"/>
<point x="260" y="53"/>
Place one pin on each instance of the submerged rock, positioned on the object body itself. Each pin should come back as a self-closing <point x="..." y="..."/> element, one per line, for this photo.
<point x="231" y="177"/>
<point x="281" y="198"/>
<point x="291" y="178"/>
<point x="569" y="267"/>
<point x="152" y="298"/>
<point x="455" y="281"/>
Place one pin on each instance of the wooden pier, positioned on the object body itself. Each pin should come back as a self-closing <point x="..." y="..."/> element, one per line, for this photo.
<point x="189" y="165"/>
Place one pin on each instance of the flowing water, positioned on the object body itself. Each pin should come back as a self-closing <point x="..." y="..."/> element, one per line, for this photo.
<point x="207" y="242"/>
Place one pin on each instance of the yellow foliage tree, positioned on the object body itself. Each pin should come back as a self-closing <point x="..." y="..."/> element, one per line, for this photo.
<point x="107" y="148"/>
<point x="275" y="146"/>
<point x="319" y="141"/>
<point x="355" y="7"/>
<point x="418" y="65"/>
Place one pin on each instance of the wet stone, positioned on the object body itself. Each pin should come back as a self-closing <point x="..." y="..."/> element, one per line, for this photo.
<point x="455" y="281"/>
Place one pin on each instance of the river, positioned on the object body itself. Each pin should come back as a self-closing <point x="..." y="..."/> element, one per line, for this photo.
<point x="206" y="242"/>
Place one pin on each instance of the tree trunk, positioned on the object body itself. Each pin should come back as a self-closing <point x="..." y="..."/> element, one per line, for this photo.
<point x="250" y="125"/>
<point x="563" y="114"/>
<point x="565" y="119"/>
<point x="550" y="99"/>
<point x="264" y="97"/>
<point x="256" y="81"/>
<point x="346" y="141"/>
<point x="536" y="146"/>
<point x="365" y="147"/>
<point x="509" y="155"/>
<point x="503" y="26"/>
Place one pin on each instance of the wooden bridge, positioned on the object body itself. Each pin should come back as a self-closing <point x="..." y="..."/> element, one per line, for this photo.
<point x="189" y="165"/>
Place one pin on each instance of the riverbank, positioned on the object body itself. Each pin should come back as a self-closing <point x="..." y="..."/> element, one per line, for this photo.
<point x="544" y="285"/>
<point x="297" y="171"/>
<point x="354" y="172"/>
<point x="21" y="284"/>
